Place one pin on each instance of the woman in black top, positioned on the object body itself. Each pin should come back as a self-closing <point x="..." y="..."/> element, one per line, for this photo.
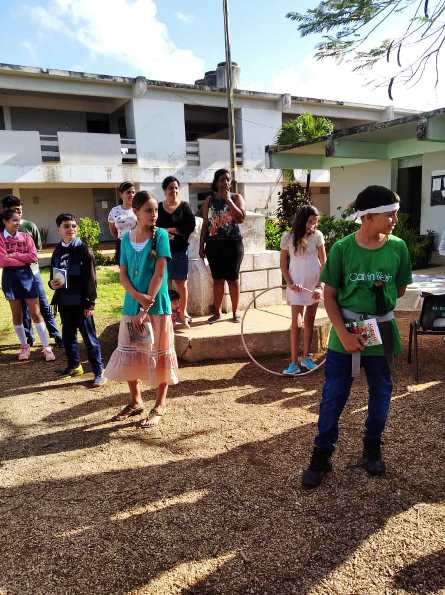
<point x="176" y="217"/>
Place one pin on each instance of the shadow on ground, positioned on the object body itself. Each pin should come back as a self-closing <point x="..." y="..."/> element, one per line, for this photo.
<point x="241" y="514"/>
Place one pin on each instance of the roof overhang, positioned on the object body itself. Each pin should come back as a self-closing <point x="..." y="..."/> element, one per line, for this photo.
<point x="403" y="137"/>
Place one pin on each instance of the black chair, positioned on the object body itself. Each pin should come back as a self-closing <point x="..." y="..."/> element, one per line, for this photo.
<point x="431" y="322"/>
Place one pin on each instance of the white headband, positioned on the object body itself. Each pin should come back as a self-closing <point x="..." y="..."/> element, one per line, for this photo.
<point x="395" y="206"/>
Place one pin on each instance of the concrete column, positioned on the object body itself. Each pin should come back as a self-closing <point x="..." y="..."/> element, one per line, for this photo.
<point x="16" y="191"/>
<point x="7" y="117"/>
<point x="129" y="119"/>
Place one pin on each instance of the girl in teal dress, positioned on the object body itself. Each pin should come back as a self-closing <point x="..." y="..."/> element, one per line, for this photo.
<point x="145" y="350"/>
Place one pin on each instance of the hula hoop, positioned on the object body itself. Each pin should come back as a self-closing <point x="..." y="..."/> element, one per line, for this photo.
<point x="257" y="363"/>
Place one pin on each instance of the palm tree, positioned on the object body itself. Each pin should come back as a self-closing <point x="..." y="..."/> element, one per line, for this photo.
<point x="304" y="127"/>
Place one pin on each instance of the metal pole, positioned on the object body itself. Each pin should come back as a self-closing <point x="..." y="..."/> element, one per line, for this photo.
<point x="231" y="116"/>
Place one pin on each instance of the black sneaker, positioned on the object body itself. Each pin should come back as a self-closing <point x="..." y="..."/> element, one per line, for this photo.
<point x="320" y="465"/>
<point x="372" y="457"/>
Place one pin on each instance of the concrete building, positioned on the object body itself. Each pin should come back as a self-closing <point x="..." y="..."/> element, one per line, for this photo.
<point x="406" y="154"/>
<point x="67" y="139"/>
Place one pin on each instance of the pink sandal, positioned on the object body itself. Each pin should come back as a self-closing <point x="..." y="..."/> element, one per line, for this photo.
<point x="25" y="352"/>
<point x="48" y="354"/>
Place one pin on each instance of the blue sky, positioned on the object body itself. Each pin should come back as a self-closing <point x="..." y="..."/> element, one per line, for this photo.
<point x="180" y="39"/>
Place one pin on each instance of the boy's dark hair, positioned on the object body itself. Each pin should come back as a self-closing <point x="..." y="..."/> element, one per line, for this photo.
<point x="168" y="180"/>
<point x="218" y="174"/>
<point x="173" y="294"/>
<point x="375" y="196"/>
<point x="299" y="225"/>
<point x="65" y="217"/>
<point x="6" y="215"/>
<point x="10" y="201"/>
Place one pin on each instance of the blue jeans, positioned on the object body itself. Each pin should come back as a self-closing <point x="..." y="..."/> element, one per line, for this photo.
<point x="45" y="309"/>
<point x="336" y="389"/>
<point x="73" y="320"/>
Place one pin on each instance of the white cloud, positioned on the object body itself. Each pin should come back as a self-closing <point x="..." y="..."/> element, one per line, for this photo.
<point x="330" y="80"/>
<point x="126" y="30"/>
<point x="185" y="18"/>
<point x="32" y="52"/>
<point x="48" y="19"/>
<point x="336" y="80"/>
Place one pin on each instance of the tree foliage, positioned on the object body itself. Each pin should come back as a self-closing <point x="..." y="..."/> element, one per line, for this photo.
<point x="89" y="233"/>
<point x="290" y="199"/>
<point x="348" y="27"/>
<point x="304" y="127"/>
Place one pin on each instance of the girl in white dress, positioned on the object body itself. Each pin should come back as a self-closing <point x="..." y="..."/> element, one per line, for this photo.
<point x="302" y="257"/>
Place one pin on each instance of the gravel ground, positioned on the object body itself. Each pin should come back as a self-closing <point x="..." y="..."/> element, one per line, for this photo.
<point x="210" y="502"/>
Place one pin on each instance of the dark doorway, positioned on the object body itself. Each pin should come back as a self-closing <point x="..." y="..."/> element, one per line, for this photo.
<point x="104" y="201"/>
<point x="409" y="188"/>
<point x="99" y="123"/>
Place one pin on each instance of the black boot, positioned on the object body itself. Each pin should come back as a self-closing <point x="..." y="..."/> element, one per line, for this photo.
<point x="320" y="465"/>
<point x="372" y="457"/>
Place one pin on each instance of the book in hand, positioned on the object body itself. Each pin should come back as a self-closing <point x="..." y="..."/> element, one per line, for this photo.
<point x="140" y="333"/>
<point x="368" y="329"/>
<point x="60" y="276"/>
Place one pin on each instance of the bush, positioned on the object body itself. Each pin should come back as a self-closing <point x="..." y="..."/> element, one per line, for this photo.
<point x="104" y="261"/>
<point x="290" y="200"/>
<point x="44" y="235"/>
<point x="273" y="234"/>
<point x="334" y="229"/>
<point x="89" y="233"/>
<point x="419" y="247"/>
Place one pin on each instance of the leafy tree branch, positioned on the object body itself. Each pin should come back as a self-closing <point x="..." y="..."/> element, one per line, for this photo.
<point x="349" y="25"/>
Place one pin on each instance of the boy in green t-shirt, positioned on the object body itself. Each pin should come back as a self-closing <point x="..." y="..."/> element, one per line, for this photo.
<point x="364" y="275"/>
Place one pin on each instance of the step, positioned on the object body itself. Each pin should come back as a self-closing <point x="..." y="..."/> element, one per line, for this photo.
<point x="266" y="332"/>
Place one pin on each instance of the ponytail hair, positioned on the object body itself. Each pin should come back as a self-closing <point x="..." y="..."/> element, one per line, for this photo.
<point x="139" y="200"/>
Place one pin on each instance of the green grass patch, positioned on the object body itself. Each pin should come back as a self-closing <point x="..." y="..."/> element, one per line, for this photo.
<point x="110" y="295"/>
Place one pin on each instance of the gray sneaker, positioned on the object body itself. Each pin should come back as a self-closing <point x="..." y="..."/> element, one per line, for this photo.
<point x="99" y="380"/>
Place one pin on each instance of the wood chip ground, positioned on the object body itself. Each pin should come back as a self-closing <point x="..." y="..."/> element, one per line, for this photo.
<point x="210" y="502"/>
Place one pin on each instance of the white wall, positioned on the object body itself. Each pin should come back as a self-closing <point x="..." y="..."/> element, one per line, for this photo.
<point x="259" y="128"/>
<point x="160" y="132"/>
<point x="19" y="148"/>
<point x="89" y="149"/>
<point x="42" y="205"/>
<point x="347" y="182"/>
<point x="260" y="196"/>
<point x="156" y="190"/>
<point x="213" y="153"/>
<point x="432" y="217"/>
